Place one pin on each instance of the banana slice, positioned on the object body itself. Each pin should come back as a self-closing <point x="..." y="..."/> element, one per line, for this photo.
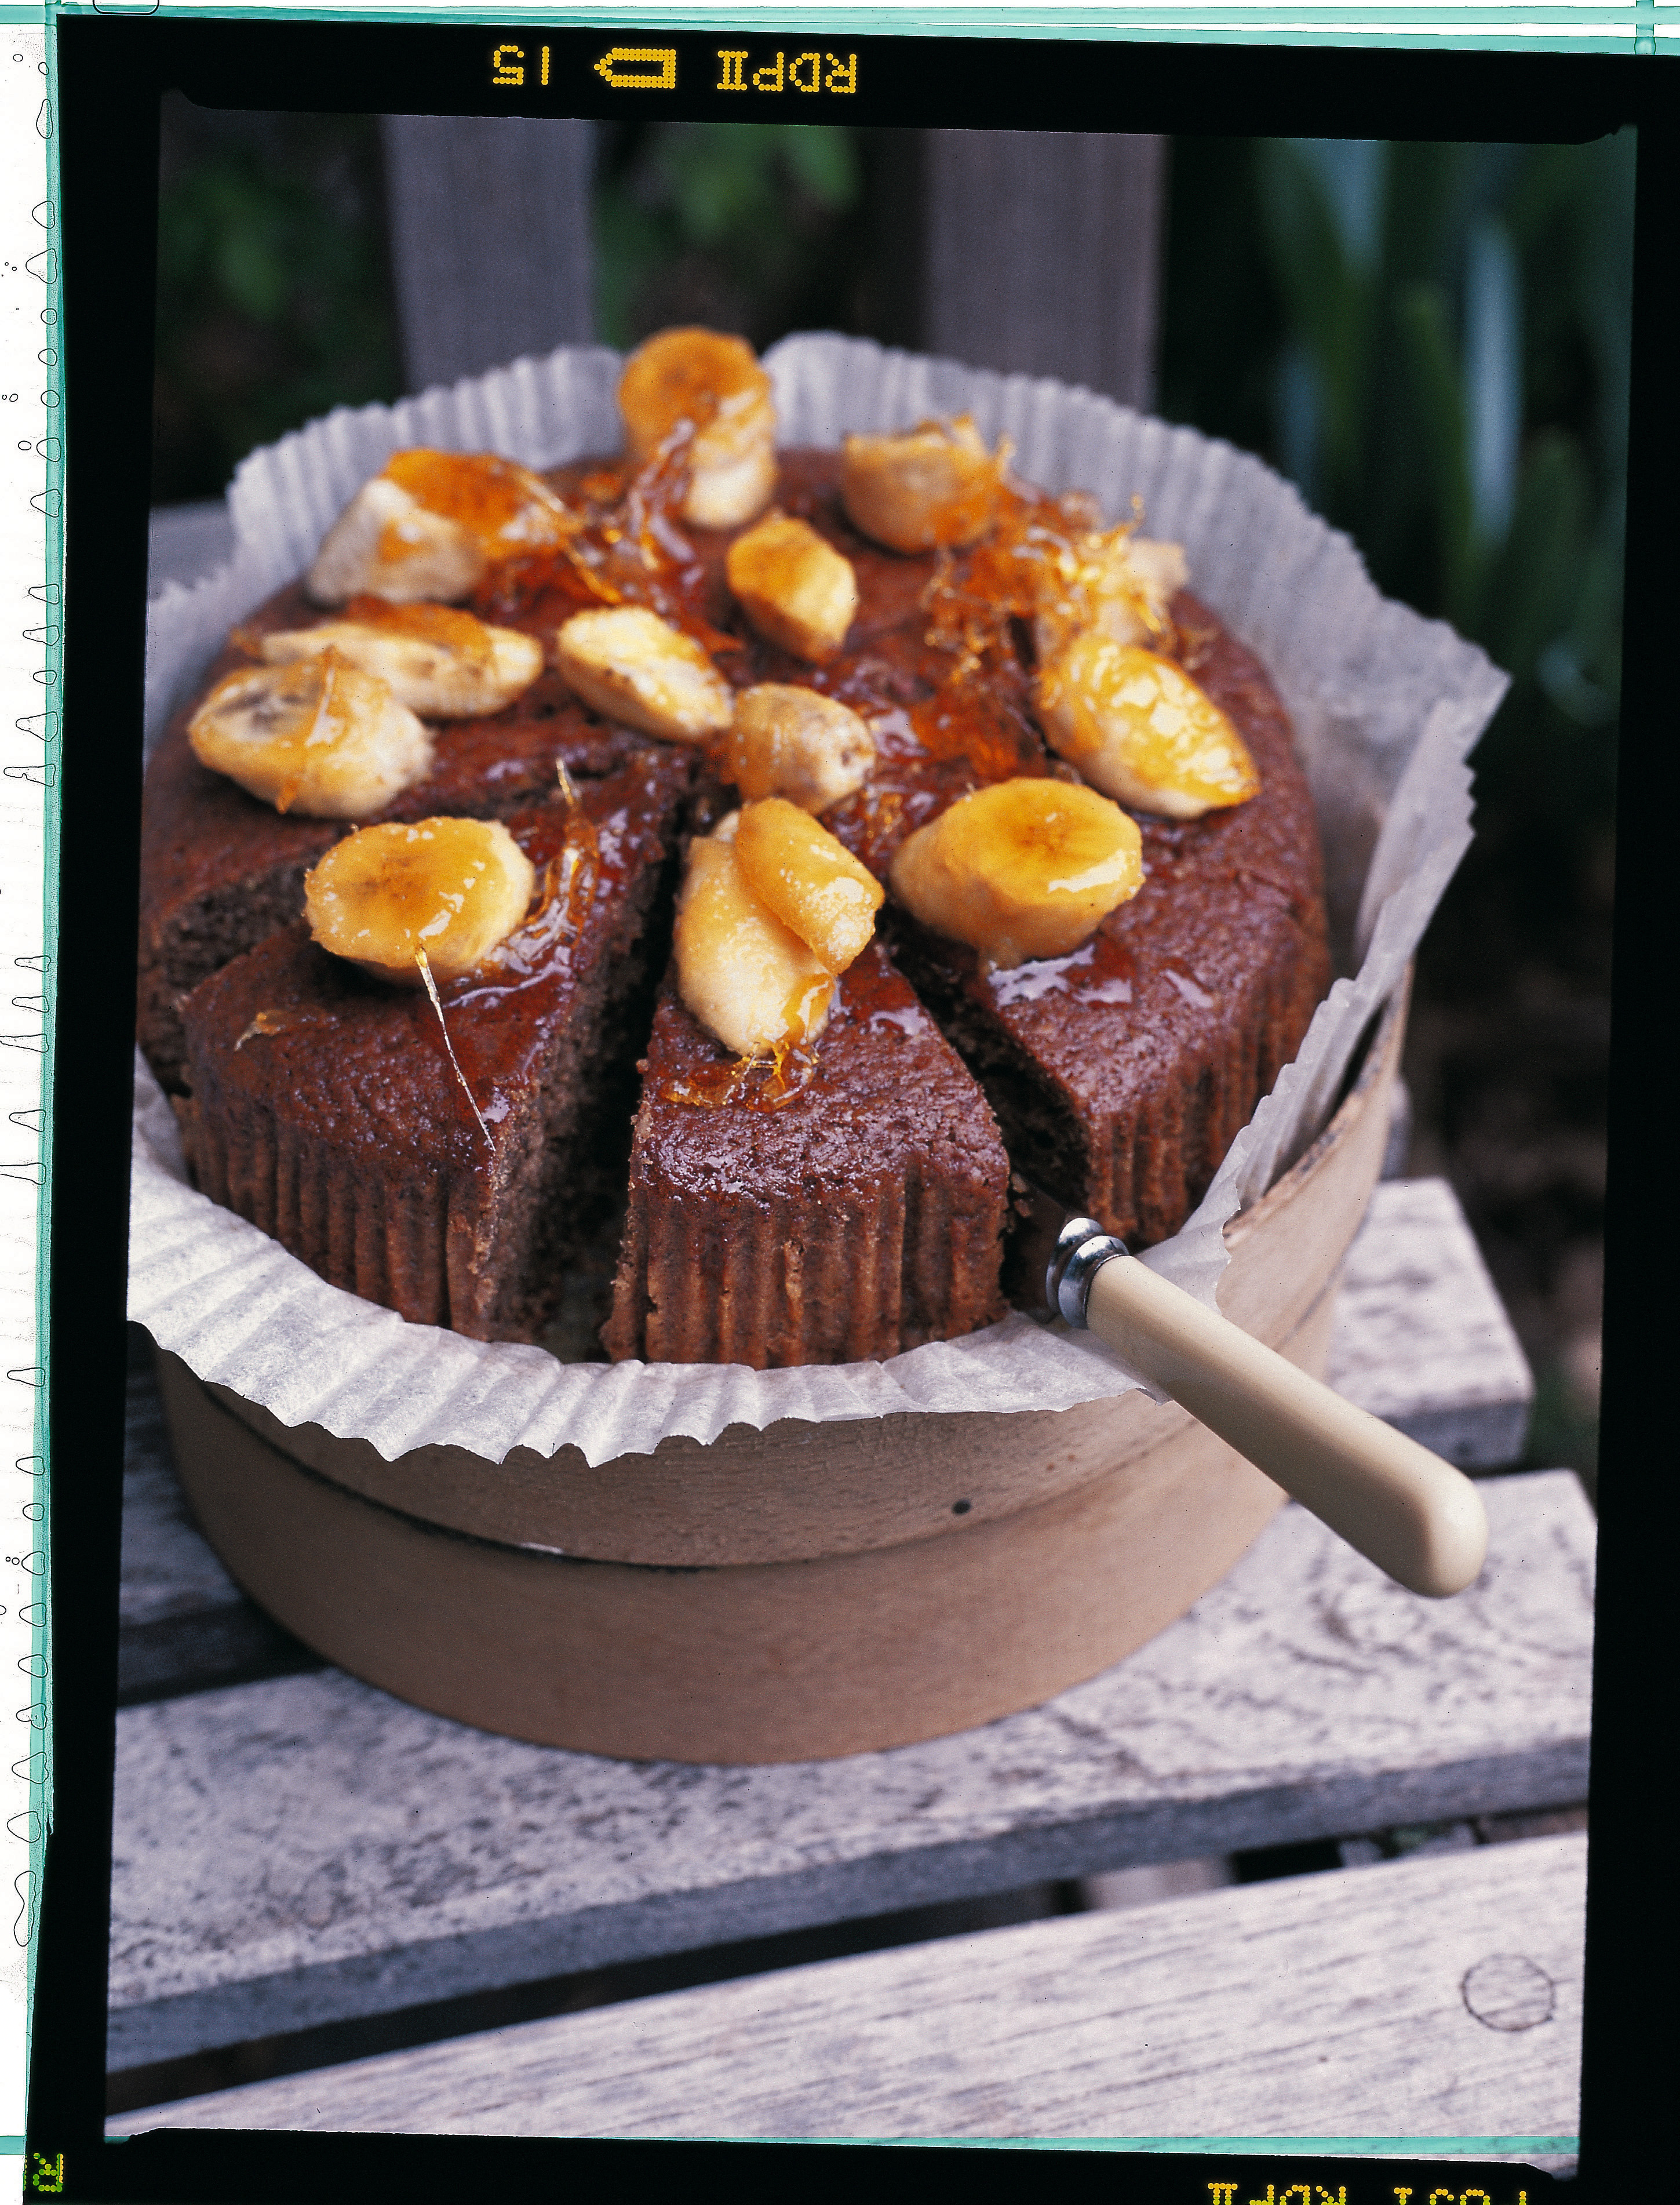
<point x="936" y="486"/>
<point x="434" y="659"/>
<point x="431" y="526"/>
<point x="749" y="979"/>
<point x="1138" y="728"/>
<point x="627" y="662"/>
<point x="796" y="590"/>
<point x="1126" y="582"/>
<point x="809" y="878"/>
<point x="1022" y="870"/>
<point x="320" y="737"/>
<point x="717" y="383"/>
<point x="454" y="888"/>
<point x="792" y="742"/>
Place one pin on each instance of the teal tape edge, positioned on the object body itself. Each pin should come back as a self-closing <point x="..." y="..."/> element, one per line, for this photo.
<point x="1633" y="27"/>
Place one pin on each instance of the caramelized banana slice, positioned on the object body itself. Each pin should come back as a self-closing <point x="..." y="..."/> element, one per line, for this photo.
<point x="1138" y="728"/>
<point x="749" y="979"/>
<point x="809" y="878"/>
<point x="454" y="888"/>
<point x="434" y="658"/>
<point x="796" y="590"/>
<point x="1021" y="869"/>
<point x="320" y="737"/>
<point x="627" y="662"/>
<point x="936" y="486"/>
<point x="1126" y="584"/>
<point x="792" y="742"/>
<point x="432" y="525"/>
<point x="717" y="383"/>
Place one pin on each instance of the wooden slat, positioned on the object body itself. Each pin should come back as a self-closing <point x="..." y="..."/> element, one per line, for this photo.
<point x="306" y="1850"/>
<point x="186" y="542"/>
<point x="1421" y="1337"/>
<point x="491" y="244"/>
<point x="1426" y="2000"/>
<point x="1040" y="253"/>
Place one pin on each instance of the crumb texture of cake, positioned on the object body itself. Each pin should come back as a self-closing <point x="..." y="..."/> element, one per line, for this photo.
<point x="325" y="1107"/>
<point x="861" y="1217"/>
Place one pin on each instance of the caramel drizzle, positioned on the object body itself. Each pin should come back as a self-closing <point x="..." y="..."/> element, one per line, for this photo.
<point x="422" y="960"/>
<point x="563" y="897"/>
<point x="264" y="1023"/>
<point x="627" y="549"/>
<point x="1037" y="559"/>
<point x="768" y="1081"/>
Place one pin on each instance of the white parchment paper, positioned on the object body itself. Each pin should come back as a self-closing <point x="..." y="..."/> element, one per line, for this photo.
<point x="1386" y="706"/>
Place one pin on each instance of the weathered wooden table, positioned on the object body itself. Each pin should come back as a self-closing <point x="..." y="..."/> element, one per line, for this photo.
<point x="296" y="1852"/>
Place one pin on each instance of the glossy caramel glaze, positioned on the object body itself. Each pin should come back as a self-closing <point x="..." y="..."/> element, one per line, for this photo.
<point x="861" y="1217"/>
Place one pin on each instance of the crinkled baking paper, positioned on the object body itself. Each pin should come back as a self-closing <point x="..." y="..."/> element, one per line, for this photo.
<point x="1386" y="706"/>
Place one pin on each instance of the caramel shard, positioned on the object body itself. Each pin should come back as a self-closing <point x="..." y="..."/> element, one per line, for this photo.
<point x="749" y="979"/>
<point x="792" y="742"/>
<point x="627" y="664"/>
<point x="453" y="888"/>
<point x="1124" y="586"/>
<point x="796" y="589"/>
<point x="1022" y="870"/>
<point x="809" y="878"/>
<point x="1140" y="729"/>
<point x="714" y="382"/>
<point x="937" y="485"/>
<point x="434" y="658"/>
<point x="319" y="736"/>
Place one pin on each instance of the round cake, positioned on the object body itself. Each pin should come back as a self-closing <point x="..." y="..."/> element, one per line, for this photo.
<point x="845" y="1188"/>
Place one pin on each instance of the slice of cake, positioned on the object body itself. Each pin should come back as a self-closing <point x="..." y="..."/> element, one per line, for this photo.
<point x="445" y="1165"/>
<point x="862" y="1216"/>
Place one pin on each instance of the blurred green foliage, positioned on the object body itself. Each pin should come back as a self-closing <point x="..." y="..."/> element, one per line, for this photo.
<point x="274" y="295"/>
<point x="1432" y="342"/>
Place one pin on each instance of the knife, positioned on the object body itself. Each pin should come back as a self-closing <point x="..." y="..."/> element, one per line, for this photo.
<point x="1414" y="1516"/>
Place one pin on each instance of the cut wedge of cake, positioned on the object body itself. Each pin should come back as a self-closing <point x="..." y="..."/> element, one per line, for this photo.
<point x="862" y="1216"/>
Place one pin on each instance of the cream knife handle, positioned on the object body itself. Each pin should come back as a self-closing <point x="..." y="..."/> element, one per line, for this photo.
<point x="1403" y="1509"/>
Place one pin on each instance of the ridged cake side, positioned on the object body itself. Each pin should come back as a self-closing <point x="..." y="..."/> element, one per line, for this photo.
<point x="862" y="1218"/>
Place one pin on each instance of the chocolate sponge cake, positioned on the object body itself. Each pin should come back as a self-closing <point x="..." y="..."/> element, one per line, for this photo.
<point x="325" y="1107"/>
<point x="860" y="1218"/>
<point x="859" y="1211"/>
